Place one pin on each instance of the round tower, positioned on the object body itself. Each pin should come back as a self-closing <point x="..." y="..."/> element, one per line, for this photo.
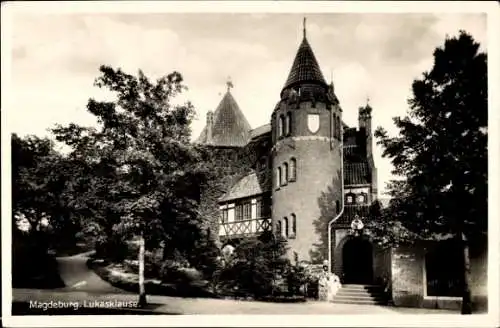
<point x="306" y="159"/>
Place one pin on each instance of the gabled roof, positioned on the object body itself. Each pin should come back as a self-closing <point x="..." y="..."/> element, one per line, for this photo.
<point x="261" y="130"/>
<point x="250" y="185"/>
<point x="230" y="126"/>
<point x="305" y="67"/>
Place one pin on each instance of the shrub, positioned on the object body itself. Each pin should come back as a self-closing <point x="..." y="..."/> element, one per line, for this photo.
<point x="255" y="268"/>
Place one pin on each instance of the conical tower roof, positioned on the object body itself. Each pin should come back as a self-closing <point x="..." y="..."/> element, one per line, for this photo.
<point x="305" y="68"/>
<point x="230" y="127"/>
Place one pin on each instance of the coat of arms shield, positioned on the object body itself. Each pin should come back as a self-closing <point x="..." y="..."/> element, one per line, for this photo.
<point x="313" y="122"/>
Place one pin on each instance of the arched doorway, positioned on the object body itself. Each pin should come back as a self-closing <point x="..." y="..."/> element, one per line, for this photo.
<point x="357" y="258"/>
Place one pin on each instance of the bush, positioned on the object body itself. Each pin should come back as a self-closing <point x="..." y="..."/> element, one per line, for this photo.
<point x="113" y="249"/>
<point x="171" y="273"/>
<point x="255" y="268"/>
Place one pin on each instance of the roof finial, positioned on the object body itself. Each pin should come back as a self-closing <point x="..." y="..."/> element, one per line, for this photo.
<point x="367" y="100"/>
<point x="304" y="27"/>
<point x="229" y="83"/>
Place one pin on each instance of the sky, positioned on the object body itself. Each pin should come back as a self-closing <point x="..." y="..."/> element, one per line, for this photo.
<point x="55" y="59"/>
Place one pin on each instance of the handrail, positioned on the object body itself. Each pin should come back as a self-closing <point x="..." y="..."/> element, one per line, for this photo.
<point x="247" y="220"/>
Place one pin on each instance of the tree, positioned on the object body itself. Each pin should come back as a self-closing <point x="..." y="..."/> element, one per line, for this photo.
<point x="441" y="153"/>
<point x="39" y="177"/>
<point x="145" y="176"/>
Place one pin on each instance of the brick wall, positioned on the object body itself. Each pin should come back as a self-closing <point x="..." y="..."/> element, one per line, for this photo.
<point x="382" y="266"/>
<point x="318" y="171"/>
<point x="408" y="279"/>
<point x="407" y="276"/>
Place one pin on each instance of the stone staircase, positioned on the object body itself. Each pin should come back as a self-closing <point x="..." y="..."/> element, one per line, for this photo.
<point x="360" y="294"/>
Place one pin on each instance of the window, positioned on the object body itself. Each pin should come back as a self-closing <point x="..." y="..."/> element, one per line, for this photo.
<point x="294" y="226"/>
<point x="278" y="177"/>
<point x="288" y="129"/>
<point x="293" y="170"/>
<point x="349" y="199"/>
<point x="444" y="267"/>
<point x="265" y="208"/>
<point x="360" y="199"/>
<point x="247" y="210"/>
<point x="263" y="163"/>
<point x="281" y="126"/>
<point x="224" y="215"/>
<point x="258" y="208"/>
<point x="334" y="125"/>
<point x="285" y="173"/>
<point x="285" y="228"/>
<point x="339" y="127"/>
<point x="238" y="212"/>
<point x="278" y="228"/>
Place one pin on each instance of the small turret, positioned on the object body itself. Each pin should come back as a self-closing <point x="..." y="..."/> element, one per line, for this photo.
<point x="210" y="126"/>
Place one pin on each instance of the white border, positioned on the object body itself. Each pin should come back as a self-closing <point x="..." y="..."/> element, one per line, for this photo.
<point x="490" y="7"/>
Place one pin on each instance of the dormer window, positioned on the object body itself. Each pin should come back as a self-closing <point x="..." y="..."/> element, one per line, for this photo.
<point x="360" y="199"/>
<point x="349" y="199"/>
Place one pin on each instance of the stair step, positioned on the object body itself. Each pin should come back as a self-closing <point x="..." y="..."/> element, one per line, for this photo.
<point x="359" y="291"/>
<point x="352" y="297"/>
<point x="354" y="301"/>
<point x="355" y="286"/>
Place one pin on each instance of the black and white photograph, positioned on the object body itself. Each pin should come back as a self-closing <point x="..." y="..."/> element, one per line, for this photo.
<point x="193" y="163"/>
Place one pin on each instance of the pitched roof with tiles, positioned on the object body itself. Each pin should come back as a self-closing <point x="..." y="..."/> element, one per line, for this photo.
<point x="230" y="126"/>
<point x="261" y="130"/>
<point x="254" y="183"/>
<point x="305" y="67"/>
<point x="357" y="173"/>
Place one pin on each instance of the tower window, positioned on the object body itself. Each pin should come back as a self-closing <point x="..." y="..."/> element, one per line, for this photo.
<point x="339" y="127"/>
<point x="288" y="127"/>
<point x="293" y="169"/>
<point x="285" y="228"/>
<point x="294" y="226"/>
<point x="281" y="126"/>
<point x="349" y="199"/>
<point x="278" y="177"/>
<point x="334" y="125"/>
<point x="285" y="173"/>
<point x="278" y="228"/>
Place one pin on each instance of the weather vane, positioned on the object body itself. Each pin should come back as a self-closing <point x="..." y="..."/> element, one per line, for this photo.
<point x="229" y="83"/>
<point x="304" y="27"/>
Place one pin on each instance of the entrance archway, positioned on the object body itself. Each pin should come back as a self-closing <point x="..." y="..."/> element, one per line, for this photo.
<point x="357" y="258"/>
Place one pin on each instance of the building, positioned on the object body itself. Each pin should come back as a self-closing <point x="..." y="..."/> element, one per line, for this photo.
<point x="314" y="181"/>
